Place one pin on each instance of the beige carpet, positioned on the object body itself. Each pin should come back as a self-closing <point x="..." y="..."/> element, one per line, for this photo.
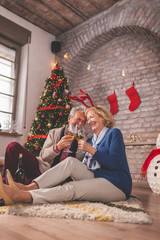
<point x="130" y="211"/>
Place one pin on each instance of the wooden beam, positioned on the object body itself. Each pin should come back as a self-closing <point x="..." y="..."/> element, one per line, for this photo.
<point x="51" y="9"/>
<point x="33" y="12"/>
<point x="73" y="9"/>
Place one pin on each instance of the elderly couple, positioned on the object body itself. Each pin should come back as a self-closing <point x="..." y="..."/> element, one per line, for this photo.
<point x="102" y="175"/>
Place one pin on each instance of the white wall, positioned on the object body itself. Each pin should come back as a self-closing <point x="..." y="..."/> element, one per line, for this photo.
<point x="40" y="61"/>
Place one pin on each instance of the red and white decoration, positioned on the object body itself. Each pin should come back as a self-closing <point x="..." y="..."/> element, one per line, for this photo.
<point x="153" y="174"/>
<point x="151" y="168"/>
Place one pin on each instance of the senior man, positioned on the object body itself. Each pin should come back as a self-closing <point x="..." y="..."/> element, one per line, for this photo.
<point x="53" y="150"/>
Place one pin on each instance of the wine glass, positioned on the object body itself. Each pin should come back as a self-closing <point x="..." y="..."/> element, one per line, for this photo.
<point x="71" y="130"/>
<point x="79" y="135"/>
<point x="77" y="132"/>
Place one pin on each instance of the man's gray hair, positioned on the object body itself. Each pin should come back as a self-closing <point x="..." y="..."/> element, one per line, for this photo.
<point x="78" y="108"/>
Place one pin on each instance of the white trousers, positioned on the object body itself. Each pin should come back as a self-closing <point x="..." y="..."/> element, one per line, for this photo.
<point x="83" y="187"/>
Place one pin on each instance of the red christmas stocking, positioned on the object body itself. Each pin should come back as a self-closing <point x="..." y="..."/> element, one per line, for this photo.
<point x="134" y="98"/>
<point x="113" y="103"/>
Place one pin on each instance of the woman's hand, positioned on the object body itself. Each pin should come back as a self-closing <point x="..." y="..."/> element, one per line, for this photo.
<point x="85" y="146"/>
<point x="64" y="142"/>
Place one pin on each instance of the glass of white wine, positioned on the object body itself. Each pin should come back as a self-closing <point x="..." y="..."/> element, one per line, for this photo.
<point x="77" y="132"/>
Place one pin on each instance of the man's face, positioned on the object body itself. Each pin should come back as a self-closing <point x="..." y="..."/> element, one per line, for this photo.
<point x="77" y="119"/>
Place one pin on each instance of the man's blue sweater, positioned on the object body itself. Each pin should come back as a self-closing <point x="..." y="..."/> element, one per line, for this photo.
<point x="112" y="157"/>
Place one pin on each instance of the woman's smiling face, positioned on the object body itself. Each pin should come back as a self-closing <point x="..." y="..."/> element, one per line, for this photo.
<point x="95" y="121"/>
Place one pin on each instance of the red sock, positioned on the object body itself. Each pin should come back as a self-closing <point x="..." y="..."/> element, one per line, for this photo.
<point x="113" y="103"/>
<point x="134" y="98"/>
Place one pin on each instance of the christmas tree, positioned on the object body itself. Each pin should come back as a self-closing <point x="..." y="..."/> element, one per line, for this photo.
<point x="52" y="112"/>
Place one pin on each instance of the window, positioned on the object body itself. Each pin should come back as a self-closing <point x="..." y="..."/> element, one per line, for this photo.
<point x="12" y="38"/>
<point x="7" y="86"/>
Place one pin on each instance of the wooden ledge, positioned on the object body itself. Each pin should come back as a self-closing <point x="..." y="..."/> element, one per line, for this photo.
<point x="10" y="134"/>
<point x="139" y="143"/>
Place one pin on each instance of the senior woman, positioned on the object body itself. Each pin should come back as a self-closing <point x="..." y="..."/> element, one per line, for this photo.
<point x="103" y="175"/>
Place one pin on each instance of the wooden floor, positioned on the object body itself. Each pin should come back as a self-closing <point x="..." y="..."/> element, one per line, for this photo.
<point x="27" y="228"/>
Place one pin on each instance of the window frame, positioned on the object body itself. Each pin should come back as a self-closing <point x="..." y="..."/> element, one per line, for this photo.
<point x="17" y="49"/>
<point x="14" y="36"/>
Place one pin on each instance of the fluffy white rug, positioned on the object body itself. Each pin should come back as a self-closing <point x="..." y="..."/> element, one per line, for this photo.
<point x="130" y="211"/>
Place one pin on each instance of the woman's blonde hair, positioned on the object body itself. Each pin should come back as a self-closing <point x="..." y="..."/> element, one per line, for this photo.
<point x="104" y="113"/>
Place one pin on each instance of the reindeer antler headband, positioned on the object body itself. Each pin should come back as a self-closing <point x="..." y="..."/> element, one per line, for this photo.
<point x="82" y="98"/>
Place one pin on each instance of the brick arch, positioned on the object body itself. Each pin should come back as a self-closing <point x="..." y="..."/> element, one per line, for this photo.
<point x="136" y="16"/>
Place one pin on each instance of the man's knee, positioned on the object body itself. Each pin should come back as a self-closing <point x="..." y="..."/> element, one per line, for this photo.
<point x="13" y="146"/>
<point x="71" y="160"/>
<point x="72" y="163"/>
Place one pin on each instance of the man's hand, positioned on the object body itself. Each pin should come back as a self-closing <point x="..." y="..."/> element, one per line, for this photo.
<point x="64" y="142"/>
<point x="85" y="146"/>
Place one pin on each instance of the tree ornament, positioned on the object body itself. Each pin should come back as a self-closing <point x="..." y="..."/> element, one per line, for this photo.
<point x="134" y="98"/>
<point x="67" y="106"/>
<point x="49" y="125"/>
<point x="59" y="100"/>
<point x="38" y="127"/>
<point x="51" y="105"/>
<point x="54" y="94"/>
<point x="36" y="148"/>
<point x="36" y="119"/>
<point x="113" y="103"/>
<point x="53" y="77"/>
<point x="60" y="114"/>
<point x="30" y="134"/>
<point x="43" y="116"/>
<point x="65" y="92"/>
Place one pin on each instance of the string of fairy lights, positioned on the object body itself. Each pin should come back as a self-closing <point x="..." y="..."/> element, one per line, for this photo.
<point x="90" y="66"/>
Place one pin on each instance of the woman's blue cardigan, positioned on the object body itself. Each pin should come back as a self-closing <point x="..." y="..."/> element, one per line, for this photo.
<point x="112" y="157"/>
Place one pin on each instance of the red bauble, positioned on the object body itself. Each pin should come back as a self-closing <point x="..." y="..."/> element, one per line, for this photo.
<point x="51" y="105"/>
<point x="60" y="114"/>
<point x="43" y="116"/>
<point x="53" y="77"/>
<point x="53" y="117"/>
<point x="36" y="148"/>
<point x="38" y="127"/>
